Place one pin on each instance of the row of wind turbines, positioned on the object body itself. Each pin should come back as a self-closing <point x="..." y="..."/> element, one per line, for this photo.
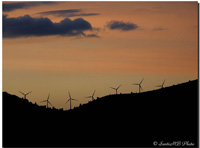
<point x="92" y="96"/>
<point x="139" y="84"/>
<point x="48" y="102"/>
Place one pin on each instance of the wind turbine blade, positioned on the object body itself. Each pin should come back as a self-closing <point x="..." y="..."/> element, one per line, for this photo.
<point x="69" y="95"/>
<point x="163" y="82"/>
<point x="48" y="96"/>
<point x="21" y="92"/>
<point x="29" y="93"/>
<point x="113" y="88"/>
<point x="67" y="101"/>
<point x="135" y="84"/>
<point x="43" y="101"/>
<point x="119" y="86"/>
<point x="142" y="80"/>
<point x="140" y="87"/>
<point x="74" y="99"/>
<point x="88" y="97"/>
<point x="50" y="103"/>
<point x="158" y="86"/>
<point x="93" y="92"/>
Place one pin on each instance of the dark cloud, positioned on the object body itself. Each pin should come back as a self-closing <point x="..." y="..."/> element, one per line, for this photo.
<point x="26" y="26"/>
<point x="159" y="29"/>
<point x="67" y="13"/>
<point x="119" y="25"/>
<point x="21" y="5"/>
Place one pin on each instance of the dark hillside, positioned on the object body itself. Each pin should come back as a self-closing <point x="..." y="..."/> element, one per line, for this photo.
<point x="135" y="120"/>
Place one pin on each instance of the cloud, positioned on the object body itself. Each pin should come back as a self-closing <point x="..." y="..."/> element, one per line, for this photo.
<point x="119" y="25"/>
<point x="27" y="26"/>
<point x="7" y="7"/>
<point x="159" y="28"/>
<point x="61" y="12"/>
<point x="92" y="36"/>
<point x="67" y="13"/>
<point x="149" y="10"/>
<point x="88" y="36"/>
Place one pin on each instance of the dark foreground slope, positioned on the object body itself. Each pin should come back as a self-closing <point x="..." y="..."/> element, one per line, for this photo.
<point x="136" y="120"/>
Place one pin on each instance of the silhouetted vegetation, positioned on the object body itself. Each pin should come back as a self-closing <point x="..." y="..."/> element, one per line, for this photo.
<point x="135" y="119"/>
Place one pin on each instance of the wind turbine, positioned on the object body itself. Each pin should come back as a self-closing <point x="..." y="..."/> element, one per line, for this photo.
<point x="25" y="94"/>
<point x="161" y="85"/>
<point x="140" y="87"/>
<point x="70" y="99"/>
<point x="47" y="101"/>
<point x="91" y="96"/>
<point x="116" y="88"/>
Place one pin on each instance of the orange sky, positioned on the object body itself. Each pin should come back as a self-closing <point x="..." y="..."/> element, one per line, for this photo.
<point x="164" y="46"/>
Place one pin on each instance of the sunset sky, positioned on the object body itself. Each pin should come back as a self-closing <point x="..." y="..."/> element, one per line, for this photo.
<point x="56" y="47"/>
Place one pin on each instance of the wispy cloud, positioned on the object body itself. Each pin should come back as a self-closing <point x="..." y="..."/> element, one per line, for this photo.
<point x="159" y="28"/>
<point x="67" y="13"/>
<point x="92" y="36"/>
<point x="27" y="26"/>
<point x="149" y="10"/>
<point x="7" y="7"/>
<point x="123" y="26"/>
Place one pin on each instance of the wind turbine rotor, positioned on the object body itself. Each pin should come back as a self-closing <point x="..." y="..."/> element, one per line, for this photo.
<point x="28" y="92"/>
<point x="21" y="92"/>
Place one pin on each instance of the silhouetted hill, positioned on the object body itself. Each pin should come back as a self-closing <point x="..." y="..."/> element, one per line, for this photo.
<point x="135" y="120"/>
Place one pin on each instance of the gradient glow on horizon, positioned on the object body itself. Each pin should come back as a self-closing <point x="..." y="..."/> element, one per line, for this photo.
<point x="164" y="46"/>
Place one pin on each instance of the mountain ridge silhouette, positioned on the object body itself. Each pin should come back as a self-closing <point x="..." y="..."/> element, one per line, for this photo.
<point x="136" y="120"/>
